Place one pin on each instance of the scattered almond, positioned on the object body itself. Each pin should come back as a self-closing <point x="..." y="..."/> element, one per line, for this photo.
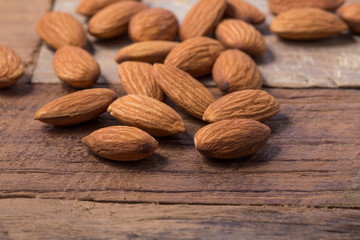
<point x="278" y="6"/>
<point x="76" y="107"/>
<point x="202" y="18"/>
<point x="234" y="71"/>
<point x="137" y="78"/>
<point x="113" y="20"/>
<point x="307" y="24"/>
<point x="195" y="56"/>
<point x="153" y="24"/>
<point x="350" y="13"/>
<point x="183" y="90"/>
<point x="11" y="67"/>
<point x="250" y="104"/>
<point x="230" y="139"/>
<point x="150" y="51"/>
<point x="89" y="7"/>
<point x="148" y="114"/>
<point x="233" y="33"/>
<point x="121" y="143"/>
<point x="245" y="11"/>
<point x="76" y="67"/>
<point x="58" y="29"/>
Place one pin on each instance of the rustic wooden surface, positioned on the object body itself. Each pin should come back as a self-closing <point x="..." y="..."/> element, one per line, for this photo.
<point x="333" y="63"/>
<point x="304" y="184"/>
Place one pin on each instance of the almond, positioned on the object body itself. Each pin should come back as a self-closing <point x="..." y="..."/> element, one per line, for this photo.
<point x="234" y="71"/>
<point x="153" y="24"/>
<point x="76" y="67"/>
<point x="183" y="90"/>
<point x="121" y="143"/>
<point x="11" y="67"/>
<point x="89" y="7"/>
<point x="278" y="6"/>
<point x="250" y="104"/>
<point x="58" y="29"/>
<point x="245" y="11"/>
<point x="202" y="18"/>
<point x="195" y="56"/>
<point x="151" y="51"/>
<point x="137" y="78"/>
<point x="113" y="20"/>
<point x="350" y="13"/>
<point x="233" y="33"/>
<point x="148" y="114"/>
<point x="230" y="139"/>
<point x="307" y="24"/>
<point x="76" y="107"/>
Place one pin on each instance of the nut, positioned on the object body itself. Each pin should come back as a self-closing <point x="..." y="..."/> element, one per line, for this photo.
<point x="89" y="7"/>
<point x="11" y="67"/>
<point x="350" y="13"/>
<point x="245" y="11"/>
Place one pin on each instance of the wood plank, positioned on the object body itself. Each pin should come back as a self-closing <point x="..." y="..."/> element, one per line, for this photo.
<point x="53" y="219"/>
<point x="332" y="62"/>
<point x="312" y="157"/>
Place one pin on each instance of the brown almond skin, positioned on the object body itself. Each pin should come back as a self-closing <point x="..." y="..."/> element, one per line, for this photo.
<point x="113" y="20"/>
<point x="235" y="71"/>
<point x="245" y="11"/>
<point x="278" y="6"/>
<point x="11" y="67"/>
<point x="148" y="114"/>
<point x="76" y="107"/>
<point x="58" y="29"/>
<point x="202" y="18"/>
<point x="307" y="24"/>
<point x="150" y="51"/>
<point x="89" y="7"/>
<point x="195" y="56"/>
<point x="230" y="139"/>
<point x="153" y="24"/>
<point x="234" y="33"/>
<point x="183" y="90"/>
<point x="137" y="78"/>
<point x="121" y="143"/>
<point x="250" y="104"/>
<point x="350" y="13"/>
<point x="76" y="67"/>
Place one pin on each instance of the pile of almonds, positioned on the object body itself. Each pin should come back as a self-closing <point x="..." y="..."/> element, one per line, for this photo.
<point x="155" y="67"/>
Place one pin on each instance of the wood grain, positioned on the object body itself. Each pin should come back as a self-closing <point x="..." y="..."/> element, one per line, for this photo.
<point x="50" y="219"/>
<point x="312" y="157"/>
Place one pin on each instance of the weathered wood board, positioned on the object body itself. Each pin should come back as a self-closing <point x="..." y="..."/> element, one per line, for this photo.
<point x="332" y="63"/>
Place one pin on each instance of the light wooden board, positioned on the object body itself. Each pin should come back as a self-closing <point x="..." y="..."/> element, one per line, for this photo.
<point x="332" y="63"/>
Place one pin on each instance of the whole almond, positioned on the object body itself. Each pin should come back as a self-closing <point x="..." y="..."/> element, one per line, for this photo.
<point x="58" y="29"/>
<point x="150" y="51"/>
<point x="153" y="24"/>
<point x="183" y="90"/>
<point x="89" y="7"/>
<point x="278" y="6"/>
<point x="350" y="13"/>
<point x="234" y="33"/>
<point x="245" y="11"/>
<point x="148" y="114"/>
<point x="202" y="18"/>
<point x="76" y="107"/>
<point x="137" y="78"/>
<point x="11" y="67"/>
<point x="235" y="71"/>
<point x="195" y="56"/>
<point x="307" y="24"/>
<point x="76" y="67"/>
<point x="113" y="20"/>
<point x="230" y="139"/>
<point x="250" y="104"/>
<point x="121" y="143"/>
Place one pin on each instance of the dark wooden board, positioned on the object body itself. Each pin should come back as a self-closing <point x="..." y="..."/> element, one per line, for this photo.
<point x="56" y="219"/>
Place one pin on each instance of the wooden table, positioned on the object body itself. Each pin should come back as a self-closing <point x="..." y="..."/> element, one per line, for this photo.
<point x="304" y="184"/>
